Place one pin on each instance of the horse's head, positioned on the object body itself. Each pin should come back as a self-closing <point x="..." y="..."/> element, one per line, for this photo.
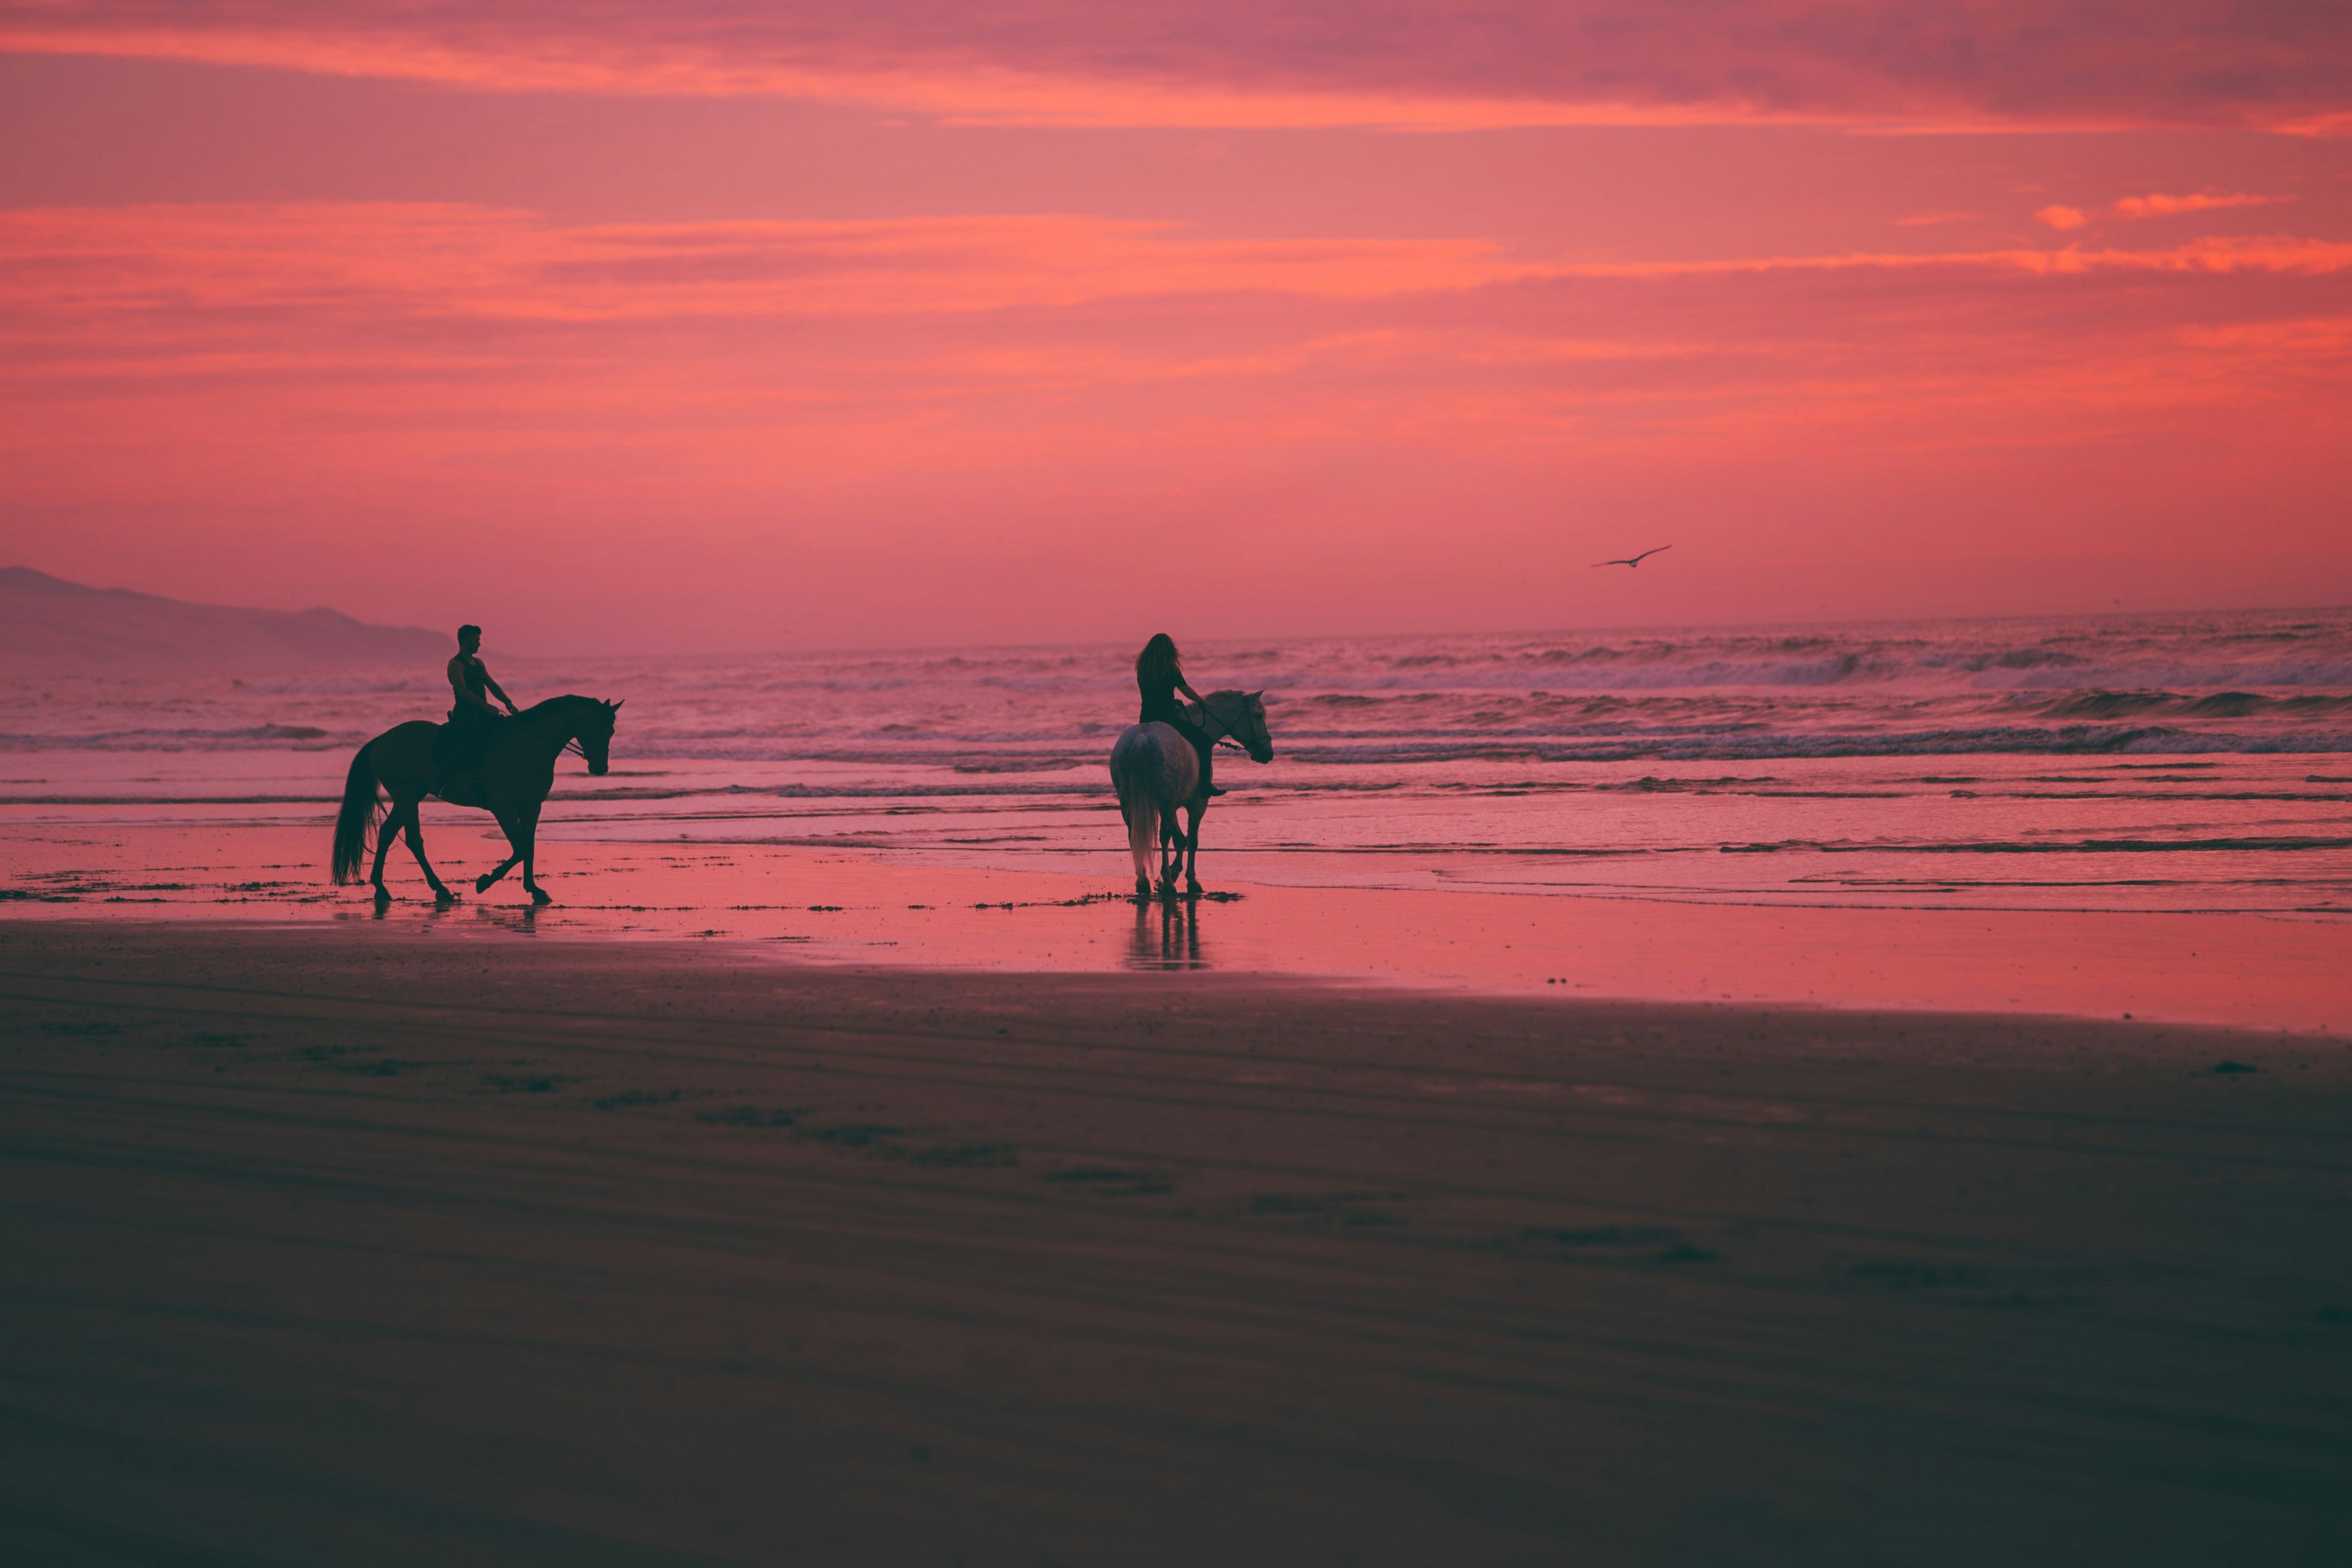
<point x="1242" y="714"/>
<point x="595" y="734"/>
<point x="1257" y="738"/>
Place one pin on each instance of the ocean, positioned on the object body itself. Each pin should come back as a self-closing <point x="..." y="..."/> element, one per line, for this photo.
<point x="2142" y="763"/>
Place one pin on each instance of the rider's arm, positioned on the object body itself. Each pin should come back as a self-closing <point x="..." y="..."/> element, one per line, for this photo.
<point x="498" y="691"/>
<point x="1185" y="687"/>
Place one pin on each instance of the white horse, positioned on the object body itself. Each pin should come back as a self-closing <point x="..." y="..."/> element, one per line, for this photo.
<point x="1156" y="770"/>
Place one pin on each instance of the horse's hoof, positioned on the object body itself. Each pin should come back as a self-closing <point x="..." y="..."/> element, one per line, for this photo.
<point x="382" y="894"/>
<point x="541" y="896"/>
<point x="482" y="884"/>
<point x="444" y="897"/>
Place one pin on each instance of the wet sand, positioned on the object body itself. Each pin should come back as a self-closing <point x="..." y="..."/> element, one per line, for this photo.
<point x="353" y="1244"/>
<point x="2264" y="970"/>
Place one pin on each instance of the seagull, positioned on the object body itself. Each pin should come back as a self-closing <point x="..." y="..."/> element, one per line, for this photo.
<point x="1634" y="560"/>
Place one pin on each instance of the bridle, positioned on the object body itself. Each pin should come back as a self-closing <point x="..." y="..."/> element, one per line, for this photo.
<point x="1225" y="740"/>
<point x="573" y="746"/>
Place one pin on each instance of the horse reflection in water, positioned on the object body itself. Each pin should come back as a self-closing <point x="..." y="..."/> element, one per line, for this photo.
<point x="522" y="919"/>
<point x="1167" y="936"/>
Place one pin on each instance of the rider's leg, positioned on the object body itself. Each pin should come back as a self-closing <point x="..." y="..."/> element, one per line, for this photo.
<point x="463" y="746"/>
<point x="1202" y="747"/>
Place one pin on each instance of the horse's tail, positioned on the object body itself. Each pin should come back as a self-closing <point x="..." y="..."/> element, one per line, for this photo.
<point x="1135" y="805"/>
<point x="357" y="819"/>
<point x="1142" y="833"/>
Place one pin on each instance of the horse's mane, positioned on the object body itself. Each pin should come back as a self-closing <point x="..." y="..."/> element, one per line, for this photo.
<point x="1239" y="698"/>
<point x="569" y="698"/>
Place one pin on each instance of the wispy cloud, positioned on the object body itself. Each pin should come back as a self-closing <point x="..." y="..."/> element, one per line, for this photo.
<point x="405" y="311"/>
<point x="406" y="261"/>
<point x="2133" y="208"/>
<point x="934" y="384"/>
<point x="1325" y="62"/>
<point x="471" y="260"/>
<point x="2200" y="202"/>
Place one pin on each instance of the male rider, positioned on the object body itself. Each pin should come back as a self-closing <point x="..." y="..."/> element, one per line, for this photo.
<point x="472" y="720"/>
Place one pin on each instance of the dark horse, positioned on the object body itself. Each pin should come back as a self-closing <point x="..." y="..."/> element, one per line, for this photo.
<point x="517" y="772"/>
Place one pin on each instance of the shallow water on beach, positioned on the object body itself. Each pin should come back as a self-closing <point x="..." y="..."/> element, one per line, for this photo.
<point x="2181" y="762"/>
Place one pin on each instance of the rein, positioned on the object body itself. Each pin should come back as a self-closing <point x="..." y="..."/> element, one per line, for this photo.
<point x="1225" y="740"/>
<point x="571" y="743"/>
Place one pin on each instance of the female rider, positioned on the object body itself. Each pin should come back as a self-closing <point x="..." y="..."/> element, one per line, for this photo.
<point x="1159" y="673"/>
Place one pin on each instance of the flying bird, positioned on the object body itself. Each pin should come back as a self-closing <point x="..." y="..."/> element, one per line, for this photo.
<point x="1634" y="560"/>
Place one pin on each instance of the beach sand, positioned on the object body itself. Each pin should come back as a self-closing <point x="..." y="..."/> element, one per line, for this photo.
<point x="355" y="1245"/>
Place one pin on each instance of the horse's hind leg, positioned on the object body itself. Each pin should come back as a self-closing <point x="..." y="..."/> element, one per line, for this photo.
<point x="1193" y="850"/>
<point x="1139" y="844"/>
<point x="385" y="832"/>
<point x="412" y="830"/>
<point x="538" y="895"/>
<point x="1172" y="851"/>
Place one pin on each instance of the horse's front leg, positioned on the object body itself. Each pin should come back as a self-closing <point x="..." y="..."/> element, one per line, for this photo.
<point x="514" y="842"/>
<point x="538" y="895"/>
<point x="412" y="830"/>
<point x="1172" y="851"/>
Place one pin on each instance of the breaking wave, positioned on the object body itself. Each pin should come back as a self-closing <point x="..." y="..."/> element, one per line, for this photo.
<point x="2277" y="682"/>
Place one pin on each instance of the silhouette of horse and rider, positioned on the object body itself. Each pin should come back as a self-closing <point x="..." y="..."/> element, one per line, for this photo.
<point x="1160" y="765"/>
<point x="505" y="766"/>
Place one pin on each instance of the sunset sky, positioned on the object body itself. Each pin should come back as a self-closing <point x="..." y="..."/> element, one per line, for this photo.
<point x="713" y="324"/>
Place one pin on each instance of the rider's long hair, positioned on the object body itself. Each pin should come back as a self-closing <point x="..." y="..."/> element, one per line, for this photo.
<point x="1159" y="663"/>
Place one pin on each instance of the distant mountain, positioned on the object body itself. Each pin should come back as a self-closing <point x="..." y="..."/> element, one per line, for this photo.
<point x="45" y="620"/>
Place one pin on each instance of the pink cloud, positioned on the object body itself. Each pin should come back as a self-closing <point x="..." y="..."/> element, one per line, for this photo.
<point x="2061" y="218"/>
<point x="1372" y="62"/>
<point x="839" y="404"/>
<point x="1001" y="338"/>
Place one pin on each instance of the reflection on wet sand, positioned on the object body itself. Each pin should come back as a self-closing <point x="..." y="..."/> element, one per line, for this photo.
<point x="839" y="906"/>
<point x="520" y="919"/>
<point x="1167" y="935"/>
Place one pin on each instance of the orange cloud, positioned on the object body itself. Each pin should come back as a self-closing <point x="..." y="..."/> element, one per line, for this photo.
<point x="476" y="260"/>
<point x="182" y="267"/>
<point x="2168" y="207"/>
<point x="2061" y="218"/>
